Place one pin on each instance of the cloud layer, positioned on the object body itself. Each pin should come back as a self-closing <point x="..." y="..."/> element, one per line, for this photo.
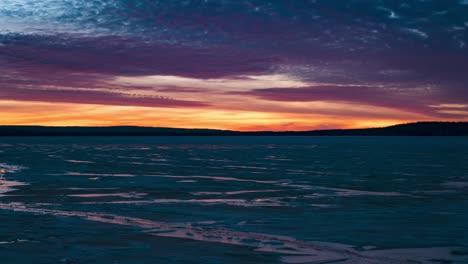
<point x="275" y="56"/>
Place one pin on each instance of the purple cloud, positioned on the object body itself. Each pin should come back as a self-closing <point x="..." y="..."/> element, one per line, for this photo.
<point x="401" y="56"/>
<point x="94" y="97"/>
<point x="116" y="56"/>
<point x="414" y="101"/>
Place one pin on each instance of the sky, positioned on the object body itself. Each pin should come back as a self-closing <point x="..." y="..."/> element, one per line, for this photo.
<point x="233" y="64"/>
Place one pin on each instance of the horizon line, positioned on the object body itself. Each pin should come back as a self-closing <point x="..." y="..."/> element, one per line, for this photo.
<point x="229" y="130"/>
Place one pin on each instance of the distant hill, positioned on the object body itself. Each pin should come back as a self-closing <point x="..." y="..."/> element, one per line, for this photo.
<point x="106" y="131"/>
<point x="411" y="129"/>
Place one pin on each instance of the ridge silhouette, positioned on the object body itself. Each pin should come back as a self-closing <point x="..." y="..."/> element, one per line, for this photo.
<point x="409" y="129"/>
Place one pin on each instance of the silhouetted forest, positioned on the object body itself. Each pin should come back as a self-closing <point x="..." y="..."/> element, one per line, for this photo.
<point x="410" y="129"/>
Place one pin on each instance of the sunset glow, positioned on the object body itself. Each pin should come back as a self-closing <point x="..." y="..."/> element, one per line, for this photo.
<point x="189" y="65"/>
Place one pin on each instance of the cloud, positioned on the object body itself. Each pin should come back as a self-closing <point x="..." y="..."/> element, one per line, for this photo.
<point x="414" y="101"/>
<point x="93" y="97"/>
<point x="233" y="83"/>
<point x="403" y="56"/>
<point x="116" y="56"/>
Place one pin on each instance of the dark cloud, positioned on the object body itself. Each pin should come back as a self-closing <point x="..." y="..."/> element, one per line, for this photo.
<point x="125" y="57"/>
<point x="94" y="97"/>
<point x="415" y="101"/>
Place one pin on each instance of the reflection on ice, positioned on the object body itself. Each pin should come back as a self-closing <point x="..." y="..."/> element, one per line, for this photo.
<point x="15" y="241"/>
<point x="94" y="174"/>
<point x="7" y="185"/>
<point x="187" y="181"/>
<point x="458" y="184"/>
<point x="79" y="161"/>
<point x="232" y="202"/>
<point x="350" y="190"/>
<point x="337" y="191"/>
<point x="98" y="195"/>
<point x="323" y="191"/>
<point x="6" y="168"/>
<point x="216" y="178"/>
<point x="235" y="192"/>
<point x="291" y="250"/>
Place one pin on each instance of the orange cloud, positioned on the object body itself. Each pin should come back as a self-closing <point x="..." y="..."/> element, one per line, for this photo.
<point x="68" y="114"/>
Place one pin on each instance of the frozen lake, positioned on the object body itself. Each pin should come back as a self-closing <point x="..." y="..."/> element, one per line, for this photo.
<point x="234" y="200"/>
